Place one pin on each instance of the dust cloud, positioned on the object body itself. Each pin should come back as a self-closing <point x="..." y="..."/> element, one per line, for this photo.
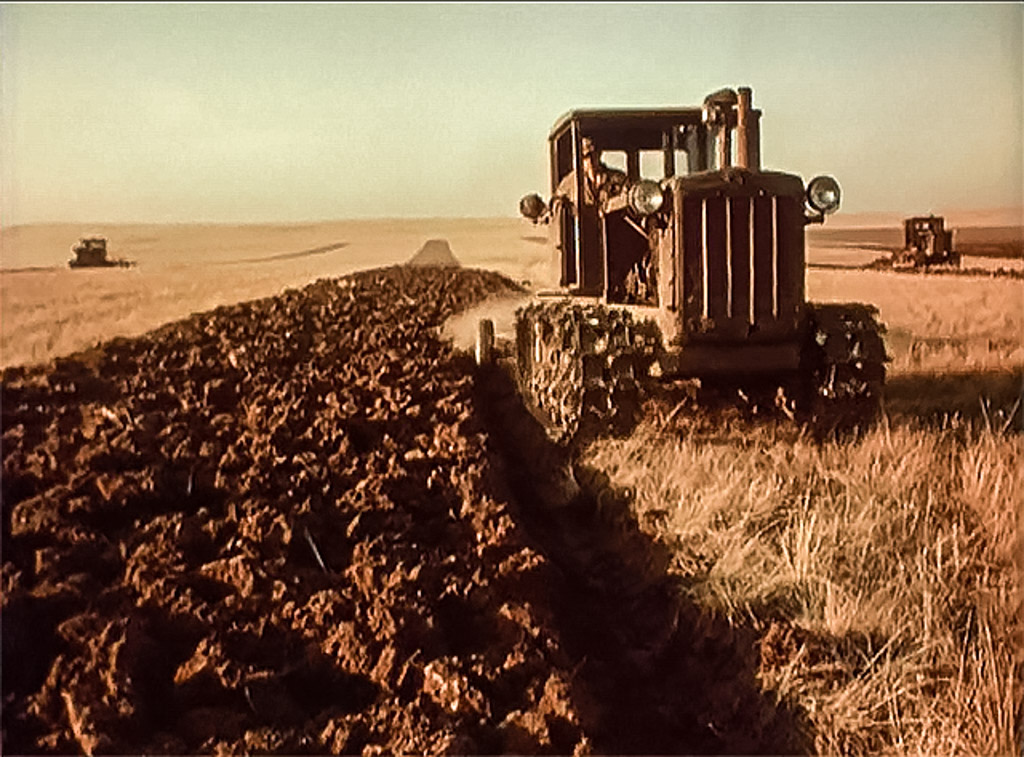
<point x="461" y="328"/>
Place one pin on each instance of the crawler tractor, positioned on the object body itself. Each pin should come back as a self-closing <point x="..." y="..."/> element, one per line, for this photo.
<point x="684" y="262"/>
<point x="91" y="252"/>
<point x="926" y="242"/>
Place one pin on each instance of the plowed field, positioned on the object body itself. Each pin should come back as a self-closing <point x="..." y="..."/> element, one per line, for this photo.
<point x="292" y="525"/>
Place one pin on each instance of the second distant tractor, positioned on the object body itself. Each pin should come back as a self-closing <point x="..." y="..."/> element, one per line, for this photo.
<point x="926" y="242"/>
<point x="91" y="252"/>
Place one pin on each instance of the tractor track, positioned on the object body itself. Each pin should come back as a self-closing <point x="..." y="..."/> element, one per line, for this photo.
<point x="657" y="674"/>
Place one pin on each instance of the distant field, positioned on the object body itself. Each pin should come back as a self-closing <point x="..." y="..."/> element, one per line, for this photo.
<point x="52" y="310"/>
<point x="936" y="323"/>
<point x="1005" y="242"/>
<point x="49" y="309"/>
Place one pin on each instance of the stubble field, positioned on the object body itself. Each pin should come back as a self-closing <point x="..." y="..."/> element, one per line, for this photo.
<point x="710" y="585"/>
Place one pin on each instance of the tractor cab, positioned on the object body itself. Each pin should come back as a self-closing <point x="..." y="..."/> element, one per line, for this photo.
<point x="89" y="251"/>
<point x="618" y="181"/>
<point x="640" y="149"/>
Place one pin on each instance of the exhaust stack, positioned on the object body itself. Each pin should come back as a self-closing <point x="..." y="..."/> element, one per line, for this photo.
<point x="748" y="132"/>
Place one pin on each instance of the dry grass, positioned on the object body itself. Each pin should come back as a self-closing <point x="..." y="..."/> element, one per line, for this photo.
<point x="884" y="572"/>
<point x="936" y="324"/>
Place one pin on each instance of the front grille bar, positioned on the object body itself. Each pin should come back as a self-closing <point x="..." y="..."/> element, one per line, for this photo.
<point x="733" y="266"/>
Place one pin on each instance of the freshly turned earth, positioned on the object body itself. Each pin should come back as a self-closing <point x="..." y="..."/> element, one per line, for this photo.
<point x="289" y="526"/>
<point x="272" y="528"/>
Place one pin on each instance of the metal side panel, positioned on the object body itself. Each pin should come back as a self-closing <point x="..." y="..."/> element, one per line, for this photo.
<point x="789" y="262"/>
<point x="764" y="240"/>
<point x="692" y="268"/>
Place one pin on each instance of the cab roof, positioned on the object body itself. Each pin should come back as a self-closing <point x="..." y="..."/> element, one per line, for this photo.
<point x="594" y="121"/>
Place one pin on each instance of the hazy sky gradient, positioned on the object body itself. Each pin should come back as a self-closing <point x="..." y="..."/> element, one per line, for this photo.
<point x="239" y="113"/>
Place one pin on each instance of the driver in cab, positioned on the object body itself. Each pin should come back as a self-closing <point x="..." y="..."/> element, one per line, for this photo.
<point x="600" y="182"/>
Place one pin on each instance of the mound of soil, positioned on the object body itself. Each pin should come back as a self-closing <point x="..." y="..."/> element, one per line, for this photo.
<point x="274" y="527"/>
<point x="435" y="252"/>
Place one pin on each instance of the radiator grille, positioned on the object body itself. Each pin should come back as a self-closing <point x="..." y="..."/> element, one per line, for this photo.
<point x="742" y="260"/>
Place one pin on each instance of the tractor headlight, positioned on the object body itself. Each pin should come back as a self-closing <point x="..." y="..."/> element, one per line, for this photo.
<point x="823" y="194"/>
<point x="532" y="206"/>
<point x="646" y="197"/>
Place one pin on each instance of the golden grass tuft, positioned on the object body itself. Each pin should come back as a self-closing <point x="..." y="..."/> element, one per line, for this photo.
<point x="883" y="575"/>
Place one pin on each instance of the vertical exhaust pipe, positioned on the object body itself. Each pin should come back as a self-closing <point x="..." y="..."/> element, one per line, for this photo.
<point x="724" y="145"/>
<point x="748" y="132"/>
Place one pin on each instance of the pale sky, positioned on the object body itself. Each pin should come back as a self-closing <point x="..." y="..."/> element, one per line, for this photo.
<point x="288" y="112"/>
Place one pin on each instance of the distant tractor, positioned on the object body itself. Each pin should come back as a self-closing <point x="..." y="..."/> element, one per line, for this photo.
<point x="683" y="261"/>
<point x="91" y="252"/>
<point x="926" y="243"/>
